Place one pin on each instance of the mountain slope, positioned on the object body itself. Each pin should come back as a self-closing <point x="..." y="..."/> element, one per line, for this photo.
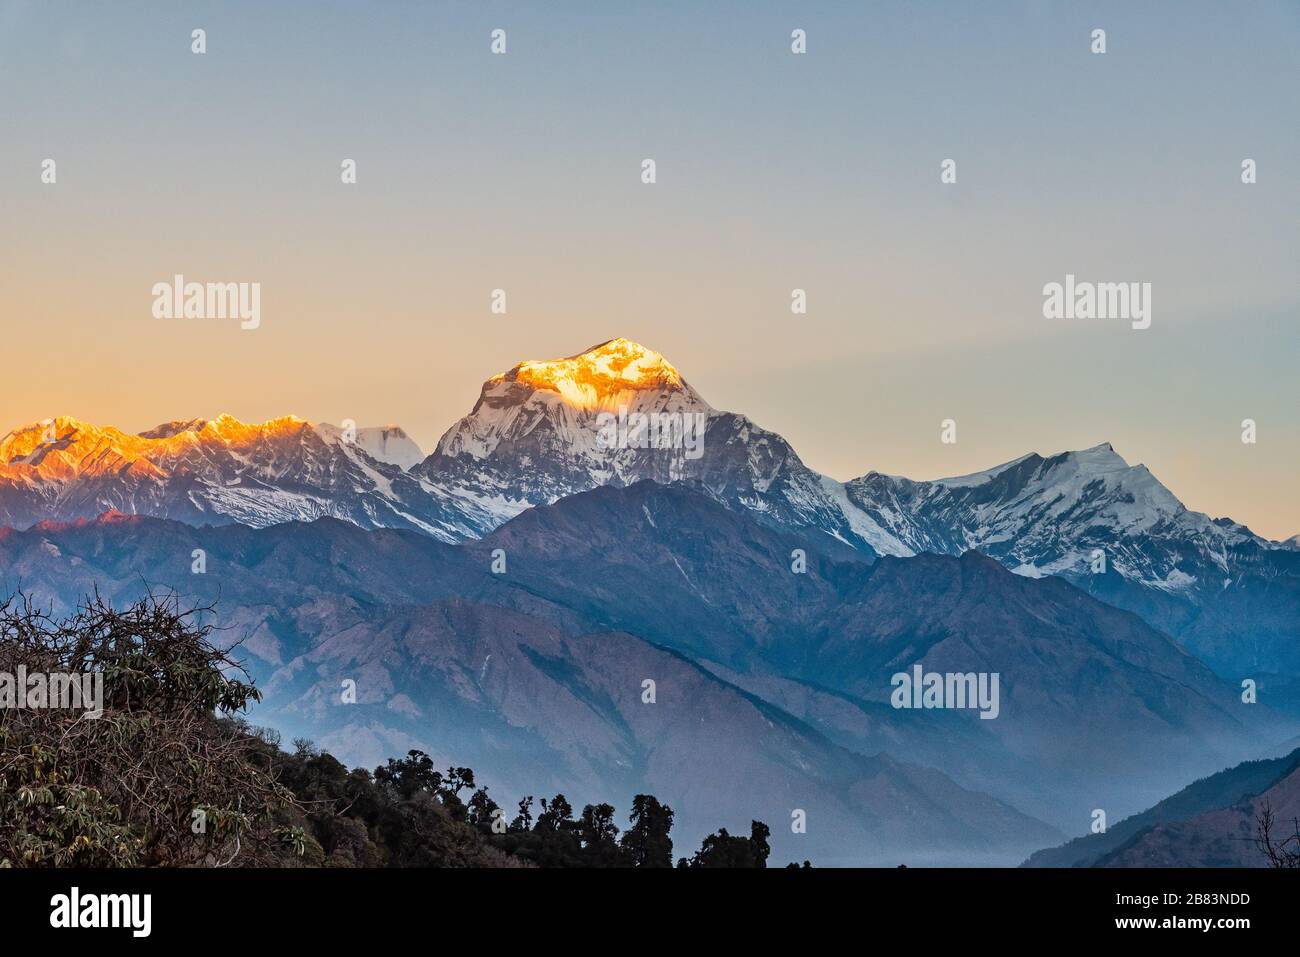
<point x="1220" y="838"/>
<point x="547" y="709"/>
<point x="1089" y="694"/>
<point x="514" y="686"/>
<point x="1088" y="691"/>
<point x="1232" y="788"/>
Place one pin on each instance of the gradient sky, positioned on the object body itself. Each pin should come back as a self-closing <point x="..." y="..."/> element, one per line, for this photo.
<point x="776" y="171"/>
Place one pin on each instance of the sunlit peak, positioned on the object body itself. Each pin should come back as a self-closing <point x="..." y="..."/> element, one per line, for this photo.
<point x="590" y="378"/>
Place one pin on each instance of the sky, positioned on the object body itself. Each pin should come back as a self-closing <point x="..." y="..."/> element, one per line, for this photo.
<point x="775" y="171"/>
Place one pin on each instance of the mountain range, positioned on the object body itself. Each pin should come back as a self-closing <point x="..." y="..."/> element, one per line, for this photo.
<point x="480" y="669"/>
<point x="770" y="684"/>
<point x="593" y="524"/>
<point x="534" y="436"/>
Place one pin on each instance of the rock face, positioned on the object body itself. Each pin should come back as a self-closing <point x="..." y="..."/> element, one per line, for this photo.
<point x="388" y="443"/>
<point x="619" y="413"/>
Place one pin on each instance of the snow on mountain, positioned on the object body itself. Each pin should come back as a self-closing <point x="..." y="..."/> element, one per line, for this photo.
<point x="223" y="470"/>
<point x="534" y="436"/>
<point x="554" y="409"/>
<point x="388" y="443"/>
<point x="1043" y="516"/>
<point x="615" y="414"/>
<point x="1228" y="595"/>
<point x="619" y="413"/>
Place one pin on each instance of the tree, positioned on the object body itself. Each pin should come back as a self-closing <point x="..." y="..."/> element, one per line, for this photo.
<point x="598" y="834"/>
<point x="453" y="782"/>
<point x="1283" y="853"/>
<point x="729" y="850"/>
<point x="557" y="815"/>
<point x="165" y="776"/>
<point x="481" y="809"/>
<point x="759" y="847"/>
<point x="646" y="842"/>
<point x="524" y="819"/>
<point x="410" y="774"/>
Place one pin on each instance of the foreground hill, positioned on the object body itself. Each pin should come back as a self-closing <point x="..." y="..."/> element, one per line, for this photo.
<point x="1210" y="823"/>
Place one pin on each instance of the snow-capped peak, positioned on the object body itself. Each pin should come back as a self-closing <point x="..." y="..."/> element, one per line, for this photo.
<point x="543" y="430"/>
<point x="566" y="398"/>
<point x="1099" y="458"/>
<point x="1094" y="461"/>
<point x="602" y="377"/>
<point x="1052" y="515"/>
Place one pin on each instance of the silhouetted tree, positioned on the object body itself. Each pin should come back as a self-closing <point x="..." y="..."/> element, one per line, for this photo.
<point x="557" y="815"/>
<point x="728" y="850"/>
<point x="481" y="809"/>
<point x="1284" y="852"/>
<point x="453" y="782"/>
<point x="410" y="774"/>
<point x="524" y="819"/>
<point x="553" y="840"/>
<point x="599" y="836"/>
<point x="758" y="835"/>
<point x="646" y="842"/>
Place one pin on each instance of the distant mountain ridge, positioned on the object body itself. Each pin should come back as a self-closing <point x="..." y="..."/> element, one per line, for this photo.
<point x="534" y="436"/>
<point x="218" y="471"/>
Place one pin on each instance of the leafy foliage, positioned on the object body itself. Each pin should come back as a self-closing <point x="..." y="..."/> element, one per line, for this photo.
<point x="160" y="778"/>
<point x="171" y="776"/>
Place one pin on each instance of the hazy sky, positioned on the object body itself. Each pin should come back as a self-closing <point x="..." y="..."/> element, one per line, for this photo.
<point x="775" y="171"/>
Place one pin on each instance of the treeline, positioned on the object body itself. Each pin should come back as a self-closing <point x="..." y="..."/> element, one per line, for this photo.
<point x="170" y="776"/>
<point x="409" y="814"/>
